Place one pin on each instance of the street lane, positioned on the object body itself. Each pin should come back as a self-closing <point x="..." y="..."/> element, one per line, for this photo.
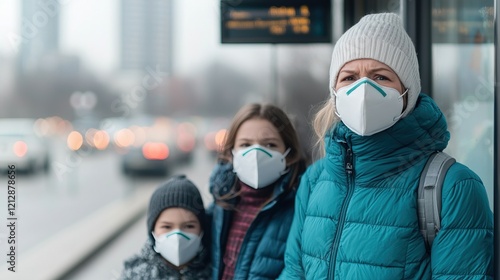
<point x="76" y="186"/>
<point x="108" y="263"/>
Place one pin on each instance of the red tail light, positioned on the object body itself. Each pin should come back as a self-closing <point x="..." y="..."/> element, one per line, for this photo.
<point x="155" y="151"/>
<point x="20" y="148"/>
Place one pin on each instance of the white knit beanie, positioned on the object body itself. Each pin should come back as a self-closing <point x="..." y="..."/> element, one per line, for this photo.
<point x="380" y="37"/>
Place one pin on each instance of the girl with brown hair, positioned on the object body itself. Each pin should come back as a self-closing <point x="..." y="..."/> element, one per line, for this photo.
<point x="254" y="186"/>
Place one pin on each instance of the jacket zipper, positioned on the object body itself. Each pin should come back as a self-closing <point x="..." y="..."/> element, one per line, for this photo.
<point x="349" y="169"/>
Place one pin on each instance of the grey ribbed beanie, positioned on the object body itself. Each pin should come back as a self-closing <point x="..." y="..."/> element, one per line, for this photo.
<point x="381" y="37"/>
<point x="178" y="191"/>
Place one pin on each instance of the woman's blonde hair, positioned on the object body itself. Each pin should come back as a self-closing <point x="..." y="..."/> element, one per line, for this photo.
<point x="323" y="121"/>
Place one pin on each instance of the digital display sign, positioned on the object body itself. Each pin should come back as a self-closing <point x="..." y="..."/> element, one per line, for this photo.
<point x="276" y="21"/>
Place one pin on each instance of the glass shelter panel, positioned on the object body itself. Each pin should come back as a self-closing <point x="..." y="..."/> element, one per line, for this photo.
<point x="463" y="80"/>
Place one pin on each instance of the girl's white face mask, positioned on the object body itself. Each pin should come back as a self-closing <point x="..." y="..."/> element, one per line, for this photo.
<point x="366" y="107"/>
<point x="259" y="167"/>
<point x="177" y="247"/>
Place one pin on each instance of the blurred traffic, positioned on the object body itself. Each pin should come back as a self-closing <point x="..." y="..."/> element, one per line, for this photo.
<point x="145" y="144"/>
<point x="23" y="145"/>
<point x="68" y="169"/>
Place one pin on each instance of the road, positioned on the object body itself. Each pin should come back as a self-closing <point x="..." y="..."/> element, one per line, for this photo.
<point x="108" y="263"/>
<point x="77" y="186"/>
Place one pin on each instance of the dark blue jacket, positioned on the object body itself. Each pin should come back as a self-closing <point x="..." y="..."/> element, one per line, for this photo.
<point x="263" y="248"/>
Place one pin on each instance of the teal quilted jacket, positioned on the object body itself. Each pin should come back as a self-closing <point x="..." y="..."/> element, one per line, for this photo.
<point x="356" y="209"/>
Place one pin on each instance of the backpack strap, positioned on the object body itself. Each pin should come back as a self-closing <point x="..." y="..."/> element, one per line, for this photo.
<point x="429" y="195"/>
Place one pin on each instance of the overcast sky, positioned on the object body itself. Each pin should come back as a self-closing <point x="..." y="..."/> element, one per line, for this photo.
<point x="9" y="15"/>
<point x="90" y="29"/>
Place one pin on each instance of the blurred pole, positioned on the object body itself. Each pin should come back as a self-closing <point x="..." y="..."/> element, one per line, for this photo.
<point x="274" y="97"/>
<point x="338" y="19"/>
<point x="496" y="131"/>
<point x="420" y="32"/>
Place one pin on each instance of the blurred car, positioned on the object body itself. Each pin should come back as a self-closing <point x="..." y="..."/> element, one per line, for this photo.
<point x="22" y="147"/>
<point x="214" y="134"/>
<point x="147" y="159"/>
<point x="87" y="135"/>
<point x="154" y="144"/>
<point x="111" y="126"/>
<point x="186" y="140"/>
<point x="147" y="145"/>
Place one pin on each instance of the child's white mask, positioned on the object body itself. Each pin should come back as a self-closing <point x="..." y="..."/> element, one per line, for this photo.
<point x="366" y="107"/>
<point x="259" y="167"/>
<point x="177" y="247"/>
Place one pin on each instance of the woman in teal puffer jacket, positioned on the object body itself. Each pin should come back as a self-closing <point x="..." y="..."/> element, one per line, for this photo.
<point x="356" y="208"/>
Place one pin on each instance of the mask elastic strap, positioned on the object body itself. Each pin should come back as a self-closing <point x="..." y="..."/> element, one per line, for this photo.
<point x="286" y="152"/>
<point x="201" y="243"/>
<point x="284" y="155"/>
<point x="400" y="115"/>
<point x="404" y="93"/>
<point x="333" y="94"/>
<point x="154" y="245"/>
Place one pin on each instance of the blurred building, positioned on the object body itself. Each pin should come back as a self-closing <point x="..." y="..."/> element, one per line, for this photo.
<point x="146" y="34"/>
<point x="7" y="81"/>
<point x="39" y="34"/>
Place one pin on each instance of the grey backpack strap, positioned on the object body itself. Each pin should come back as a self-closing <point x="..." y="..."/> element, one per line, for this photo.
<point x="429" y="195"/>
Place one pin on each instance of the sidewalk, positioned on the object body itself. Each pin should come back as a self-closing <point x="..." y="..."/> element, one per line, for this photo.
<point x="108" y="262"/>
<point x="58" y="255"/>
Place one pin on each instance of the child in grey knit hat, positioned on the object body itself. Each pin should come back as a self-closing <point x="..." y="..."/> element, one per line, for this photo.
<point x="176" y="247"/>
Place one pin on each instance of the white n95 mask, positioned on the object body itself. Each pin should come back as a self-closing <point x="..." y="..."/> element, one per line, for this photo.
<point x="366" y="107"/>
<point x="259" y="167"/>
<point x="177" y="247"/>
